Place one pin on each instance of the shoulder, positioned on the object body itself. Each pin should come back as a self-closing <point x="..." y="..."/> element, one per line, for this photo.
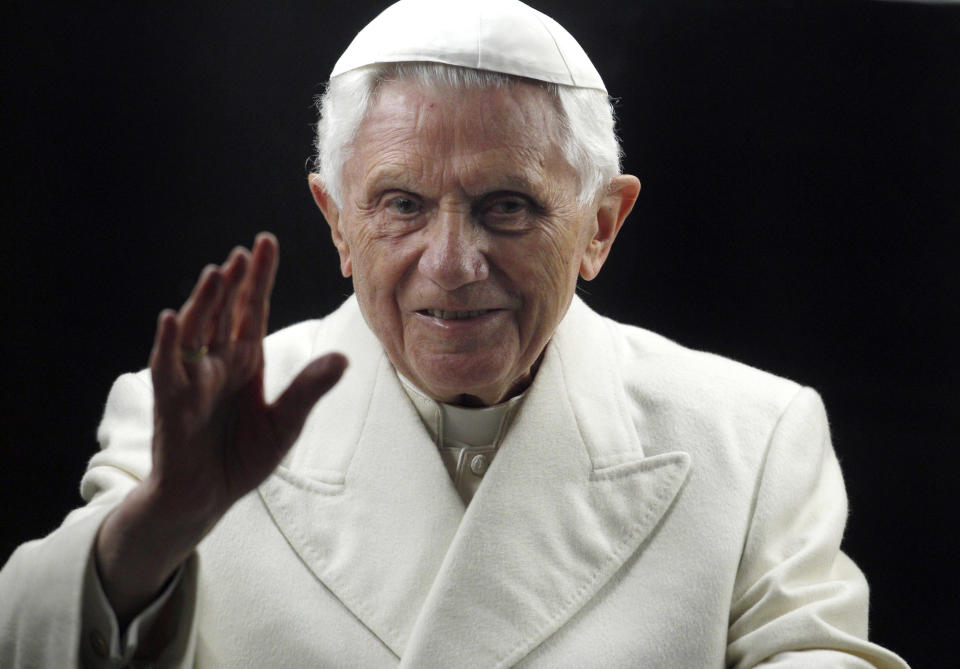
<point x="660" y="367"/>
<point x="691" y="391"/>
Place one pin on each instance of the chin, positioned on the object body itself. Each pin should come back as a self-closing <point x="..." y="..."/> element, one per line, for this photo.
<point x="450" y="377"/>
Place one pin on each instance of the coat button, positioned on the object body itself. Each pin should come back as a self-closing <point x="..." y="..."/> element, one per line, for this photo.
<point x="99" y="644"/>
<point x="478" y="465"/>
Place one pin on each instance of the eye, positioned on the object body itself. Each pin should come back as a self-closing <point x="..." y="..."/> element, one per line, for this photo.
<point x="507" y="206"/>
<point x="403" y="205"/>
<point x="508" y="212"/>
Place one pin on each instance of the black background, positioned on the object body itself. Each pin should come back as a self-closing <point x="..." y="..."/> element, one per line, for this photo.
<point x="800" y="169"/>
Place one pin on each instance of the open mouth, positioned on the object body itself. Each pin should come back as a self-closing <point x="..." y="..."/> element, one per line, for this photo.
<point x="455" y="315"/>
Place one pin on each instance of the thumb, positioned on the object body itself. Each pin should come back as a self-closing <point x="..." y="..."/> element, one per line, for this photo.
<point x="290" y="411"/>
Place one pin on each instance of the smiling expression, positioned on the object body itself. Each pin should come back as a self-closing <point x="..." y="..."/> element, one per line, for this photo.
<point x="461" y="229"/>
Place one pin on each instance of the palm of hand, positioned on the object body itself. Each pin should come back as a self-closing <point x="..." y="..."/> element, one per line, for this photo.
<point x="215" y="437"/>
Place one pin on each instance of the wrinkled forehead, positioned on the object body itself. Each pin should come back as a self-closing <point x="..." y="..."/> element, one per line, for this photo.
<point x="480" y="135"/>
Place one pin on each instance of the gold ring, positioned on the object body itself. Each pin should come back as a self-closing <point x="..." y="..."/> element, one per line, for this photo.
<point x="193" y="354"/>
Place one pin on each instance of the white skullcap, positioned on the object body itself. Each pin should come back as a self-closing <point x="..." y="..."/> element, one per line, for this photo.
<point x="497" y="35"/>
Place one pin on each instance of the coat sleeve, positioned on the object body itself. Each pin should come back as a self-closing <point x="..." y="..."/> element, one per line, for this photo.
<point x="50" y="615"/>
<point x="799" y="601"/>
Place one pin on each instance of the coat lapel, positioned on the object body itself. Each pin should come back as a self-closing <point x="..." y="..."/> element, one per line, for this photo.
<point x="371" y="511"/>
<point x="567" y="500"/>
<point x="368" y="506"/>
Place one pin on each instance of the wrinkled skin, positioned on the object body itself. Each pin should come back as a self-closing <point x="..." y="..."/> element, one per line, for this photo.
<point x="461" y="201"/>
<point x="215" y="438"/>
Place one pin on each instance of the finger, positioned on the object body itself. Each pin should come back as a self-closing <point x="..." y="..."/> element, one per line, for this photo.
<point x="290" y="410"/>
<point x="195" y="315"/>
<point x="254" y="300"/>
<point x="234" y="270"/>
<point x="164" y="358"/>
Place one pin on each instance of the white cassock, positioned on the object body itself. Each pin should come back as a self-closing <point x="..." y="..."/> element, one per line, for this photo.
<point x="649" y="506"/>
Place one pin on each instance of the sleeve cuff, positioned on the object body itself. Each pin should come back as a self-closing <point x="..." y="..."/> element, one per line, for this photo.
<point x="102" y="644"/>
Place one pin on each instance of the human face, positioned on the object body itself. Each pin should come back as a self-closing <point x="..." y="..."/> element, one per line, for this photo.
<point x="461" y="230"/>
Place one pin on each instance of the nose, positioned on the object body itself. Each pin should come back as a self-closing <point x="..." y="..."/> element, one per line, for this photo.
<point x="454" y="253"/>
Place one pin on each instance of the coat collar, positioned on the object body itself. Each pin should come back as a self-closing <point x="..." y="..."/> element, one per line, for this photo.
<point x="370" y="508"/>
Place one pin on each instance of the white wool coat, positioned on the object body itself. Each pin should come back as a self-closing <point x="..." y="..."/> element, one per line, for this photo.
<point x="651" y="506"/>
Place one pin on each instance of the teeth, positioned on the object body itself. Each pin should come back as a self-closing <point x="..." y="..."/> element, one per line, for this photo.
<point x="454" y="315"/>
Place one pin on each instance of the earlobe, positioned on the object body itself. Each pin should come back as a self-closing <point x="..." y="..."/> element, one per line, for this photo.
<point x="331" y="212"/>
<point x="611" y="215"/>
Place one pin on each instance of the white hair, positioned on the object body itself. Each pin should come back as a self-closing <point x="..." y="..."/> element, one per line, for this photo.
<point x="589" y="141"/>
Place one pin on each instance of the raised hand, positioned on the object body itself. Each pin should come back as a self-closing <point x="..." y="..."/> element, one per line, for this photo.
<point x="215" y="437"/>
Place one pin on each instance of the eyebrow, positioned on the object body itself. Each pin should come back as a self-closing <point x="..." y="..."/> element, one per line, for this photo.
<point x="398" y="177"/>
<point x="513" y="182"/>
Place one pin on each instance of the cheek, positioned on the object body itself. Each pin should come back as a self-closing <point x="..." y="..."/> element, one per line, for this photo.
<point x="373" y="255"/>
<point x="558" y="259"/>
<point x="381" y="265"/>
<point x="373" y="277"/>
<point x="544" y="268"/>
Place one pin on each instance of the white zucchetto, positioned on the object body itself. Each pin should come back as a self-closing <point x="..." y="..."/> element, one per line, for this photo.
<point x="497" y="35"/>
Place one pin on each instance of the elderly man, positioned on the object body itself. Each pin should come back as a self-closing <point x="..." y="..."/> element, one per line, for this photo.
<point x="501" y="477"/>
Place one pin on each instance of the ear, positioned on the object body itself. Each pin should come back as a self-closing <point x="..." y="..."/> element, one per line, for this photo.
<point x="331" y="212"/>
<point x="612" y="212"/>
